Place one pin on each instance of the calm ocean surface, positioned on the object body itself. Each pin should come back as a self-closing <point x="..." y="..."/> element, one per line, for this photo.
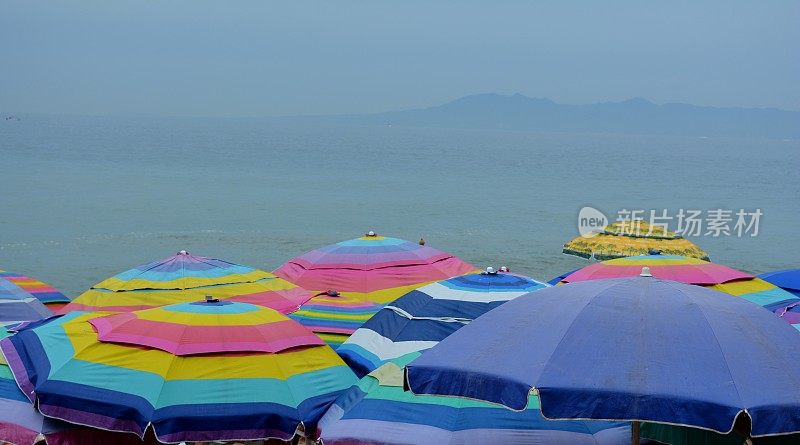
<point x="85" y="198"/>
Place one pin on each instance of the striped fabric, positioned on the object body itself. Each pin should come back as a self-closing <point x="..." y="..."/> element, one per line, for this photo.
<point x="788" y="280"/>
<point x="367" y="273"/>
<point x="699" y="272"/>
<point x="16" y="284"/>
<point x="183" y="278"/>
<point x="206" y="396"/>
<point x="206" y="327"/>
<point x="423" y="317"/>
<point x="667" y="267"/>
<point x="21" y="424"/>
<point x="379" y="411"/>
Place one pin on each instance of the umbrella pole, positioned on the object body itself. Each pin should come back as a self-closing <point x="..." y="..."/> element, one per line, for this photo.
<point x="635" y="426"/>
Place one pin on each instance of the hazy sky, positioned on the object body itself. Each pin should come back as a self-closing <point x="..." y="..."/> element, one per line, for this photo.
<point x="298" y="57"/>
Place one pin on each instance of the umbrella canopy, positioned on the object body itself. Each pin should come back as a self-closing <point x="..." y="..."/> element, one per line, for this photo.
<point x="18" y="286"/>
<point x="629" y="238"/>
<point x="640" y="349"/>
<point x="21" y="424"/>
<point x="184" y="277"/>
<point x="695" y="271"/>
<point x="192" y="371"/>
<point x="423" y="317"/>
<point x="366" y="273"/>
<point x="16" y="310"/>
<point x="379" y="411"/>
<point x="788" y="280"/>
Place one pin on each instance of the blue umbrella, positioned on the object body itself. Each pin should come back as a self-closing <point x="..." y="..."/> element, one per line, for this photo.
<point x="788" y="280"/>
<point x="638" y="349"/>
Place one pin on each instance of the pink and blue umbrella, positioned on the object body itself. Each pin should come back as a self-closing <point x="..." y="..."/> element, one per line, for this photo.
<point x="365" y="273"/>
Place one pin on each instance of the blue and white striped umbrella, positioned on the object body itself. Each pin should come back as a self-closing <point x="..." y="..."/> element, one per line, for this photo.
<point x="423" y="317"/>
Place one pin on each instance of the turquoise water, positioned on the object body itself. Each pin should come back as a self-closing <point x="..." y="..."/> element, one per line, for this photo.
<point x="85" y="198"/>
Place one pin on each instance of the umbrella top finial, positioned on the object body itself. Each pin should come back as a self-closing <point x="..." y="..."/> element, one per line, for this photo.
<point x="645" y="272"/>
<point x="332" y="293"/>
<point x="504" y="269"/>
<point x="183" y="252"/>
<point x="211" y="299"/>
<point x="372" y="233"/>
<point x="490" y="270"/>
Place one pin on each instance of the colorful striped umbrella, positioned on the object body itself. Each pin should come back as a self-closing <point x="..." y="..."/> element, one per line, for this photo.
<point x="630" y="238"/>
<point x="218" y="384"/>
<point x="635" y="349"/>
<point x="379" y="411"/>
<point x="366" y="273"/>
<point x="19" y="285"/>
<point x="184" y="278"/>
<point x="423" y="317"/>
<point x="789" y="281"/>
<point x="15" y="309"/>
<point x="21" y="424"/>
<point x="699" y="272"/>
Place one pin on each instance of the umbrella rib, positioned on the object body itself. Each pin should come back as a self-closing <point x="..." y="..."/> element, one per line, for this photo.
<point x="721" y="351"/>
<point x="569" y="328"/>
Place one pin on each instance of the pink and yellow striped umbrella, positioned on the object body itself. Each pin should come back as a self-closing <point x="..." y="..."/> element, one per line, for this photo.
<point x="366" y="273"/>
<point x="203" y="371"/>
<point x="693" y="271"/>
<point x="184" y="277"/>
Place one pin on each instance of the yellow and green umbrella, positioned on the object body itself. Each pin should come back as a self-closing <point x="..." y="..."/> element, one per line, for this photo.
<point x="631" y="238"/>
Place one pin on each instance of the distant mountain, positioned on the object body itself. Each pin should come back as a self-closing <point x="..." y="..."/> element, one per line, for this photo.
<point x="638" y="116"/>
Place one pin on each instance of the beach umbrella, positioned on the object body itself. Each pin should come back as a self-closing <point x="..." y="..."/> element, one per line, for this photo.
<point x="213" y="370"/>
<point x="630" y="238"/>
<point x="183" y="278"/>
<point x="626" y="349"/>
<point x="354" y="279"/>
<point x="15" y="309"/>
<point x="21" y="287"/>
<point x="695" y="271"/>
<point x="21" y="424"/>
<point x="788" y="280"/>
<point x="379" y="411"/>
<point x="423" y="317"/>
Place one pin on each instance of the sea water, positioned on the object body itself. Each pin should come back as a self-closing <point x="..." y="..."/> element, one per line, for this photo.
<point x="83" y="198"/>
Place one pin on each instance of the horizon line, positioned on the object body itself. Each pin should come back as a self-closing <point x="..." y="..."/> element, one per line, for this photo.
<point x="5" y="114"/>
